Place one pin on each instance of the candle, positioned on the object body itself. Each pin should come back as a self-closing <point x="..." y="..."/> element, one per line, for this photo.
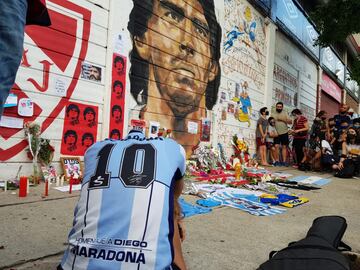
<point x="57" y="180"/>
<point x="22" y="186"/>
<point x="62" y="180"/>
<point x="46" y="188"/>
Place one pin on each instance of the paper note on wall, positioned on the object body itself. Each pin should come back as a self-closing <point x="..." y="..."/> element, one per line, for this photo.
<point x="192" y="127"/>
<point x="60" y="87"/>
<point x="11" y="122"/>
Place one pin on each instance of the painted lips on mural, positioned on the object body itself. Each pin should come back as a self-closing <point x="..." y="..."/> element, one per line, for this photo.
<point x="45" y="63"/>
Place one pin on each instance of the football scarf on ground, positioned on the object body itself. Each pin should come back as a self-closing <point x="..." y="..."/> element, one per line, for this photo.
<point x="311" y="180"/>
<point x="247" y="203"/>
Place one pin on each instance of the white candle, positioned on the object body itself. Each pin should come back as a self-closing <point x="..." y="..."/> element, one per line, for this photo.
<point x="57" y="180"/>
<point x="5" y="185"/>
<point x="62" y="180"/>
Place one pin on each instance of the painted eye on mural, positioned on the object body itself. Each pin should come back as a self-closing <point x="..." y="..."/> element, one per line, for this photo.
<point x="201" y="31"/>
<point x="174" y="16"/>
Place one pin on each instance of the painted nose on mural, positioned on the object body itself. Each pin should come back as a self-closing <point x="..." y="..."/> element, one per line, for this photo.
<point x="187" y="49"/>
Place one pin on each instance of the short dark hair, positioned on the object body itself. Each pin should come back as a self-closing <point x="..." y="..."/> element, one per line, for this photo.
<point x="114" y="108"/>
<point x="89" y="110"/>
<point x="296" y="111"/>
<point x="115" y="131"/>
<point x="70" y="132"/>
<point x="87" y="135"/>
<point x="72" y="107"/>
<point x="139" y="71"/>
<point x="119" y="59"/>
<point x="279" y="103"/>
<point x="270" y="119"/>
<point x="320" y="113"/>
<point x="116" y="83"/>
<point x="263" y="110"/>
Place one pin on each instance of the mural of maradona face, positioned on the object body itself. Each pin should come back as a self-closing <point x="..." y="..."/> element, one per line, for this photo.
<point x="180" y="49"/>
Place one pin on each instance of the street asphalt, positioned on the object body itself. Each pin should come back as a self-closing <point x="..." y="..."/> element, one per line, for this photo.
<point x="34" y="229"/>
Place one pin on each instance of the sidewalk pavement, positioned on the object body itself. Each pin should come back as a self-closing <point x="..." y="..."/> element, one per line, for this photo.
<point x="34" y="229"/>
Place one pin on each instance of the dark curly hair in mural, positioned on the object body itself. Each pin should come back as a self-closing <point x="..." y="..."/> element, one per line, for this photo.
<point x="139" y="72"/>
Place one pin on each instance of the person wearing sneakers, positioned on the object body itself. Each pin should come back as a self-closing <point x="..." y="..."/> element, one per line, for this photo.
<point x="282" y="120"/>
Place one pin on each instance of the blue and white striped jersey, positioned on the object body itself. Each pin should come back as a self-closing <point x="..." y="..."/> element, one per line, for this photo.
<point x="124" y="217"/>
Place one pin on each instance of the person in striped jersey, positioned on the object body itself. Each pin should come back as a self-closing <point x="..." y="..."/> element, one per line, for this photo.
<point x="127" y="215"/>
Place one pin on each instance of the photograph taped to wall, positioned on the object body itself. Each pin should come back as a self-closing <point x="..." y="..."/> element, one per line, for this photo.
<point x="91" y="72"/>
<point x="153" y="129"/>
<point x="205" y="130"/>
<point x="71" y="167"/>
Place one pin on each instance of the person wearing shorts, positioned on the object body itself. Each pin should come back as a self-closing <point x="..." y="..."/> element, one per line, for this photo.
<point x="282" y="120"/>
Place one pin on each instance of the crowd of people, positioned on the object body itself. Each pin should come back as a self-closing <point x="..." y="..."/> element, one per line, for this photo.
<point x="328" y="144"/>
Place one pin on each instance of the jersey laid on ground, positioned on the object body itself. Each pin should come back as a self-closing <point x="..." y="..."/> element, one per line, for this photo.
<point x="124" y="217"/>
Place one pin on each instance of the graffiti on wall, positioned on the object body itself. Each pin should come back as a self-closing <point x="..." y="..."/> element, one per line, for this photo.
<point x="48" y="69"/>
<point x="243" y="65"/>
<point x="117" y="102"/>
<point x="175" y="71"/>
<point x="80" y="128"/>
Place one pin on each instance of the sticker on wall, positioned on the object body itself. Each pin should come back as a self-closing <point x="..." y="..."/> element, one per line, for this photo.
<point x="117" y="100"/>
<point x="153" y="129"/>
<point x="205" y="130"/>
<point x="11" y="122"/>
<point x="231" y="107"/>
<point x="11" y="101"/>
<point x="223" y="114"/>
<point x="192" y="127"/>
<point x="120" y="43"/>
<point x="91" y="72"/>
<point x="26" y="107"/>
<point x="80" y="128"/>
<point x="138" y="124"/>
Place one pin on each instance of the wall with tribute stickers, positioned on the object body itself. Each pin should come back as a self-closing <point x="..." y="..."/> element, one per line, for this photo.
<point x="195" y="69"/>
<point x="60" y="84"/>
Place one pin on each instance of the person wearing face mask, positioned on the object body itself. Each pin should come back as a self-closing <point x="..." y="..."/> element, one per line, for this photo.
<point x="356" y="125"/>
<point x="271" y="135"/>
<point x="349" y="164"/>
<point x="282" y="120"/>
<point x="299" y="131"/>
<point x="342" y="116"/>
<point x="261" y="132"/>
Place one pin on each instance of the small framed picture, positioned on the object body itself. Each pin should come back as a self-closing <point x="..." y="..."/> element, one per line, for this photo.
<point x="71" y="167"/>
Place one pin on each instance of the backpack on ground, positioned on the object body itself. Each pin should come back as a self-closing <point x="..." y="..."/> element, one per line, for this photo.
<point x="319" y="250"/>
<point x="348" y="169"/>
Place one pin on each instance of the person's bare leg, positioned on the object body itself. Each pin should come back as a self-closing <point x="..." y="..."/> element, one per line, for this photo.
<point x="263" y="155"/>
<point x="277" y="149"/>
<point x="284" y="152"/>
<point x="178" y="255"/>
